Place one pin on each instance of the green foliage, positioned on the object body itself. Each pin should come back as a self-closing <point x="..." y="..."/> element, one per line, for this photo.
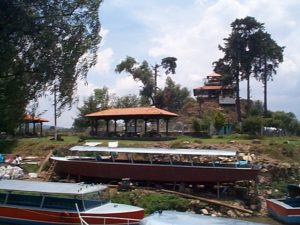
<point x="96" y="102"/>
<point x="151" y="202"/>
<point x="285" y="121"/>
<point x="256" y="109"/>
<point x="154" y="202"/>
<point x="6" y="146"/>
<point x="219" y="120"/>
<point x="252" y="125"/>
<point x="44" y="43"/>
<point x="146" y="74"/>
<point x="126" y="101"/>
<point x="196" y="124"/>
<point x="248" y="50"/>
<point x="172" y="97"/>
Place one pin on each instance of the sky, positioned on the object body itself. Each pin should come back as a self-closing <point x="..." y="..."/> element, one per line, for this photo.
<point x="191" y="31"/>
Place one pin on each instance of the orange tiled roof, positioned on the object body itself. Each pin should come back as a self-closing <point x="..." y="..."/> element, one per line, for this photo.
<point x="30" y="118"/>
<point x="138" y="111"/>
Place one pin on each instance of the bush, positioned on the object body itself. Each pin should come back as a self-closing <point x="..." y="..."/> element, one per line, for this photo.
<point x="196" y="124"/>
<point x="252" y="125"/>
<point x="151" y="202"/>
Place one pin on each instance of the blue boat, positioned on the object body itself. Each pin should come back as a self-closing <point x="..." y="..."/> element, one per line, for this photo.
<point x="286" y="210"/>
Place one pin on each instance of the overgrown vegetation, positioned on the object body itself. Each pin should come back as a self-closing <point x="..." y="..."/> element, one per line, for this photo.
<point x="151" y="201"/>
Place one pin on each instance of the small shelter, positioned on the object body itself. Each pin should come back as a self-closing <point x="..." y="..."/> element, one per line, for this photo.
<point x="132" y="114"/>
<point x="213" y="89"/>
<point x="29" y="119"/>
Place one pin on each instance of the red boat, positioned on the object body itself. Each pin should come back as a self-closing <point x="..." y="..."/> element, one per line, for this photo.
<point x="286" y="210"/>
<point x="158" y="165"/>
<point x="46" y="203"/>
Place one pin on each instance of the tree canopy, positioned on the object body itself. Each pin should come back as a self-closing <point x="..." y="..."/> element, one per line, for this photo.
<point x="172" y="97"/>
<point x="146" y="74"/>
<point x="249" y="49"/>
<point x="98" y="101"/>
<point x="44" y="44"/>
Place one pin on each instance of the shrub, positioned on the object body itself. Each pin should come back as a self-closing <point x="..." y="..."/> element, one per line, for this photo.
<point x="252" y="125"/>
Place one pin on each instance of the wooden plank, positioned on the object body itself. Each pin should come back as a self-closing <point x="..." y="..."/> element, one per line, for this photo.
<point x="44" y="162"/>
<point x="207" y="200"/>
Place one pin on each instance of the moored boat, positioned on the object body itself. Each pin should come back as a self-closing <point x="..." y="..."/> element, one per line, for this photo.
<point x="180" y="218"/>
<point x="157" y="165"/>
<point x="286" y="210"/>
<point x="46" y="203"/>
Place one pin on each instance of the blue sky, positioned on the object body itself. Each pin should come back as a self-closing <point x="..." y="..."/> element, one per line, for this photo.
<point x="191" y="31"/>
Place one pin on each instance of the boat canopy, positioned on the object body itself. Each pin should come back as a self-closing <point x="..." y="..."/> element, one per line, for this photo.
<point x="50" y="187"/>
<point x="198" y="152"/>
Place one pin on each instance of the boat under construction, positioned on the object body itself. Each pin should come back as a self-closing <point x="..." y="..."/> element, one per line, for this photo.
<point x="190" y="166"/>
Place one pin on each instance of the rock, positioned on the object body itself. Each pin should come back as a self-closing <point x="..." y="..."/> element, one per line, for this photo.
<point x="253" y="207"/>
<point x="232" y="142"/>
<point x="205" y="211"/>
<point x="231" y="214"/>
<point x="256" y="141"/>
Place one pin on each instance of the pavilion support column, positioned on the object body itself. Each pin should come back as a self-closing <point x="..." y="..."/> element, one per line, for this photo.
<point x="157" y="125"/>
<point x="167" y="127"/>
<point x="20" y="129"/>
<point x="107" y="127"/>
<point x="96" y="127"/>
<point x="93" y="127"/>
<point x="26" y="128"/>
<point x="126" y="127"/>
<point x="115" y="127"/>
<point x="146" y="120"/>
<point x="41" y="129"/>
<point x="33" y="128"/>
<point x="135" y="126"/>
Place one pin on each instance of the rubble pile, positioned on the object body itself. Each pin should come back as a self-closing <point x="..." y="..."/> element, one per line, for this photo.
<point x="10" y="172"/>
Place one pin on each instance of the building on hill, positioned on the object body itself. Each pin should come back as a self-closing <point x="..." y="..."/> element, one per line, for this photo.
<point x="214" y="90"/>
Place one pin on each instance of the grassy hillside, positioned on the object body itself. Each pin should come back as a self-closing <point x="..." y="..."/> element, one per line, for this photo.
<point x="277" y="148"/>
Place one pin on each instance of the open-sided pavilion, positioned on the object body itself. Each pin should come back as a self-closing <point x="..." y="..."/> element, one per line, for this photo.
<point x="24" y="128"/>
<point x="131" y="114"/>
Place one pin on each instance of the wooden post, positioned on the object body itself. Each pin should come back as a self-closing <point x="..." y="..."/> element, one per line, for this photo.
<point x="41" y="129"/>
<point x="157" y="125"/>
<point x="126" y="123"/>
<point x="96" y="126"/>
<point x="107" y="127"/>
<point x="115" y="127"/>
<point x="146" y="120"/>
<point x="167" y="127"/>
<point x="135" y="126"/>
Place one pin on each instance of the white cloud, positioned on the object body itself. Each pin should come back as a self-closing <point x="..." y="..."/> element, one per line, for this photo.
<point x="104" y="62"/>
<point x="125" y="85"/>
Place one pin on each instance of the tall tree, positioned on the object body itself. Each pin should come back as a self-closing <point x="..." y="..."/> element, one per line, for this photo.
<point x="172" y="97"/>
<point x="98" y="101"/>
<point x="248" y="28"/>
<point x="247" y="46"/>
<point x="146" y="74"/>
<point x="269" y="57"/>
<point x="43" y="44"/>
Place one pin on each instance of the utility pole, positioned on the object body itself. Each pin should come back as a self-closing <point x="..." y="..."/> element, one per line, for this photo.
<point x="155" y="78"/>
<point x="55" y="115"/>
